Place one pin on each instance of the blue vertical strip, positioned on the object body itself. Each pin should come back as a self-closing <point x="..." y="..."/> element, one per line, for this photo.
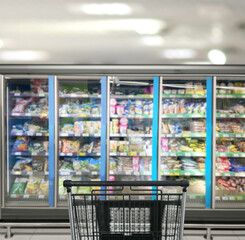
<point x="209" y="130"/>
<point x="155" y="129"/>
<point x="51" y="155"/>
<point x="103" y="127"/>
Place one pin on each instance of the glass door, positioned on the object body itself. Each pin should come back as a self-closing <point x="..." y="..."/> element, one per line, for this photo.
<point x="131" y="112"/>
<point x="27" y="142"/>
<point x="230" y="142"/>
<point x="183" y="135"/>
<point x="79" y="131"/>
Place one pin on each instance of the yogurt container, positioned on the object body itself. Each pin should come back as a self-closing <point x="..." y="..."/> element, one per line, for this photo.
<point x="123" y="129"/>
<point x="120" y="110"/>
<point x="112" y="109"/>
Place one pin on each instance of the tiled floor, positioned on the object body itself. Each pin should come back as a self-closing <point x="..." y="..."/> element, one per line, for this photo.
<point x="63" y="234"/>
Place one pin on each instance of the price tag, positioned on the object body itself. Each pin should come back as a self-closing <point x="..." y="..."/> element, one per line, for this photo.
<point x="29" y="173"/>
<point x="223" y="115"/>
<point x="41" y="95"/>
<point x="232" y="115"/>
<point x="227" y="174"/>
<point x="123" y="154"/>
<point x="165" y="173"/>
<point x="172" y="96"/>
<point x="192" y="196"/>
<point x="69" y="154"/>
<point x="131" y="96"/>
<point x="238" y="135"/>
<point x="86" y="135"/>
<point x="232" y="198"/>
<point x="164" y="116"/>
<point x="77" y="135"/>
<point x="179" y="116"/>
<point x="82" y="154"/>
<point x="34" y="154"/>
<point x="141" y="198"/>
<point x="46" y="173"/>
<point x="73" y="95"/>
<point x="111" y="172"/>
<point x="176" y="173"/>
<point x="187" y="174"/>
<point x="169" y="135"/>
<point x="39" y="134"/>
<point x="13" y="196"/>
<point x="28" y="114"/>
<point x="243" y="96"/>
<point x="136" y="173"/>
<point x="128" y="173"/>
<point x="222" y="154"/>
<point x="79" y="173"/>
<point x="239" y="198"/>
<point x="236" y="155"/>
<point x="146" y="173"/>
<point x="41" y="196"/>
<point x="226" y="135"/>
<point x="19" y="134"/>
<point x="187" y="154"/>
<point x="217" y="198"/>
<point x="224" y="198"/>
<point x="17" y="153"/>
<point x="26" y="196"/>
<point x="94" y="173"/>
<point x="97" y="134"/>
<point x="172" y="154"/>
<point x="133" y="154"/>
<point x="17" y="94"/>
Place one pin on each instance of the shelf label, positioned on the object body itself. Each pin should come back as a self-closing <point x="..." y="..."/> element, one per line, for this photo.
<point x="69" y="154"/>
<point x="13" y="196"/>
<point x="136" y="173"/>
<point x="28" y="114"/>
<point x="17" y="153"/>
<point x="232" y="115"/>
<point x="223" y="115"/>
<point x="179" y="116"/>
<point x="226" y="135"/>
<point x="222" y="154"/>
<point x="133" y="154"/>
<point x="82" y="154"/>
<point x="172" y="154"/>
<point x="29" y="173"/>
<point x="227" y="174"/>
<point x="187" y="174"/>
<point x="73" y="95"/>
<point x="188" y="154"/>
<point x="192" y="196"/>
<point x="34" y="154"/>
<point x="26" y="196"/>
<point x="41" y="196"/>
<point x="39" y="134"/>
<point x="86" y="135"/>
<point x="224" y="198"/>
<point x="236" y="155"/>
<point x="238" y="135"/>
<point x="79" y="173"/>
<point x="17" y="94"/>
<point x="128" y="173"/>
<point x="94" y="173"/>
<point x="232" y="198"/>
<point x="239" y="198"/>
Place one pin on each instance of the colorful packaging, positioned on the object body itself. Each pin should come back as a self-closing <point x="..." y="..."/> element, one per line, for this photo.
<point x="120" y="110"/>
<point x="123" y="129"/>
<point x="112" y="109"/>
<point x="18" y="187"/>
<point x="78" y="127"/>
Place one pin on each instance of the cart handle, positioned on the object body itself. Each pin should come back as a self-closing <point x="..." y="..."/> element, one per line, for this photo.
<point x="68" y="183"/>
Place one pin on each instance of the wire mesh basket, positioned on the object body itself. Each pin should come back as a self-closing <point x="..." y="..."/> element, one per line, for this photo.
<point x="126" y="210"/>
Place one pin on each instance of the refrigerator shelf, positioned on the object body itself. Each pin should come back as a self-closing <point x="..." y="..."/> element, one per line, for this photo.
<point x="171" y="95"/>
<point x="28" y="154"/>
<point x="228" y="135"/>
<point x="28" y="196"/>
<point x="182" y="173"/>
<point x="79" y="115"/>
<point x="183" y="135"/>
<point x="79" y="135"/>
<point x="230" y="154"/>
<point x="74" y="95"/>
<point x="230" y="95"/>
<point x="139" y="96"/>
<point x="130" y="135"/>
<point x="79" y="154"/>
<point x="195" y="196"/>
<point x="30" y="134"/>
<point x="229" y="115"/>
<point x="183" y="154"/>
<point x="28" y="94"/>
<point x="29" y="115"/>
<point x="130" y="173"/>
<point x="183" y="115"/>
<point x="132" y="154"/>
<point x="137" y="116"/>
<point x="230" y="198"/>
<point x="230" y="174"/>
<point x="78" y="173"/>
<point x="28" y="173"/>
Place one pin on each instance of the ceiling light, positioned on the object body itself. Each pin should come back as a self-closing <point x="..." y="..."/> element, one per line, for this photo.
<point x="1" y="43"/>
<point x="107" y="9"/>
<point x="179" y="53"/>
<point x="152" y="40"/>
<point x="217" y="56"/>
<point x="23" y="55"/>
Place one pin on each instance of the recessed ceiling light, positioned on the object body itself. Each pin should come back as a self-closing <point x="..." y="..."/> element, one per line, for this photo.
<point x="152" y="40"/>
<point x="23" y="55"/>
<point x="216" y="56"/>
<point x="106" y="9"/>
<point x="179" y="53"/>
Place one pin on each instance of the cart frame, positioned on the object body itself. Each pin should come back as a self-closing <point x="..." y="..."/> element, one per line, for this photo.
<point x="105" y="185"/>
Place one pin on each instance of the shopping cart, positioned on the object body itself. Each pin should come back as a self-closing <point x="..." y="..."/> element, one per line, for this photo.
<point x="103" y="210"/>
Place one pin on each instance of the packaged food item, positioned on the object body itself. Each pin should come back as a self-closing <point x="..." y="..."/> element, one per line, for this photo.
<point x="189" y="88"/>
<point x="70" y="146"/>
<point x="18" y="187"/>
<point x="33" y="185"/>
<point x="113" y="146"/>
<point x="112" y="109"/>
<point x="80" y="164"/>
<point x="68" y="129"/>
<point x="138" y="107"/>
<point x="95" y="109"/>
<point x="21" y="144"/>
<point x="164" y="143"/>
<point x="122" y="146"/>
<point x="66" y="166"/>
<point x="36" y="147"/>
<point x="37" y="164"/>
<point x="120" y="110"/>
<point x="21" y="105"/>
<point x="123" y="128"/>
<point x="136" y="164"/>
<point x="44" y="187"/>
<point x="23" y="164"/>
<point x="113" y="164"/>
<point x="113" y="102"/>
<point x="94" y="164"/>
<point x="123" y="121"/>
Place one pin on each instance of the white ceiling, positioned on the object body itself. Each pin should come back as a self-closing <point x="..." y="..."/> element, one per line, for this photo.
<point x="61" y="33"/>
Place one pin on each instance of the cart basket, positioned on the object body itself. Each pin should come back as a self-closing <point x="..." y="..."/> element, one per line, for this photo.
<point x="130" y="210"/>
